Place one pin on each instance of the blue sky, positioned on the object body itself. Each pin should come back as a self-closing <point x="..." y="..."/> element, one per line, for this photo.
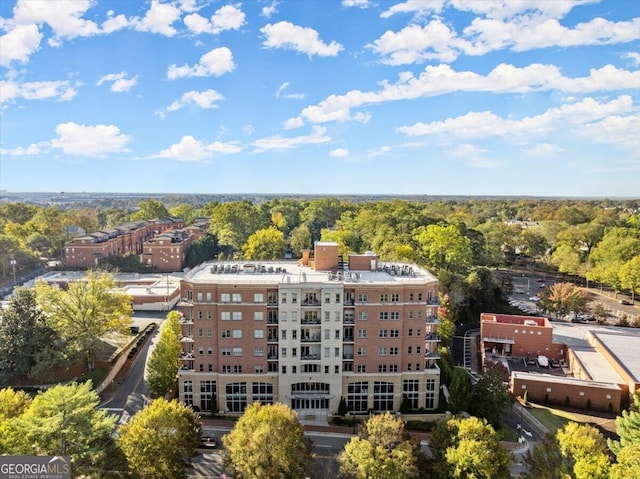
<point x="434" y="97"/>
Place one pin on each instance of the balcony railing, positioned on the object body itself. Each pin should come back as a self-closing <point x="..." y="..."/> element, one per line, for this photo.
<point x="432" y="319"/>
<point x="310" y="321"/>
<point x="310" y="302"/>
<point x="310" y="357"/>
<point x="348" y="356"/>
<point x="272" y="320"/>
<point x="432" y="355"/>
<point x="186" y="339"/>
<point x="186" y="321"/>
<point x="310" y="339"/>
<point x="348" y="339"/>
<point x="433" y="302"/>
<point x="272" y="356"/>
<point x="349" y="302"/>
<point x="432" y="337"/>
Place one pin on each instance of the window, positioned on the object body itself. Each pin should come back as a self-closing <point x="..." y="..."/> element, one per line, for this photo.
<point x="395" y="297"/>
<point x="393" y="351"/>
<point x="336" y="316"/>
<point x="430" y="394"/>
<point x="283" y="352"/>
<point x="258" y="333"/>
<point x="326" y="352"/>
<point x="225" y="298"/>
<point x="294" y="298"/>
<point x="284" y="370"/>
<point x="294" y="369"/>
<point x="327" y="334"/>
<point x="327" y="297"/>
<point x="258" y="369"/>
<point x="200" y="351"/>
<point x="382" y="368"/>
<point x="237" y="316"/>
<point x="237" y="369"/>
<point x="209" y="315"/>
<point x="236" y="298"/>
<point x="209" y="332"/>
<point x="262" y="392"/>
<point x="294" y="316"/>
<point x="358" y="396"/>
<point x="384" y="315"/>
<point x="207" y="394"/>
<point x="209" y="351"/>
<point x="363" y="315"/>
<point x="258" y="316"/>
<point x="337" y="334"/>
<point x="236" y="397"/>
<point x="419" y="296"/>
<point x="258" y="352"/>
<point x="294" y="334"/>
<point x="410" y="392"/>
<point x="336" y="352"/>
<point x="382" y="333"/>
<point x="410" y="314"/>
<point x="409" y="350"/>
<point x="362" y="333"/>
<point x="362" y="297"/>
<point x="225" y="316"/>
<point x="337" y="297"/>
<point x="336" y="369"/>
<point x="382" y="351"/>
<point x="226" y="333"/>
<point x="283" y="298"/>
<point x="272" y="367"/>
<point x="226" y="351"/>
<point x="382" y="396"/>
<point x="384" y="297"/>
<point x="199" y="297"/>
<point x="226" y="369"/>
<point x="210" y="367"/>
<point x="237" y="351"/>
<point x="187" y="389"/>
<point x="294" y="352"/>
<point x="362" y="351"/>
<point x="326" y="369"/>
<point x="258" y="297"/>
<point x="419" y="314"/>
<point x="410" y="296"/>
<point x="395" y="315"/>
<point x="418" y="349"/>
<point x="393" y="368"/>
<point x="237" y="334"/>
<point x="283" y="334"/>
<point x="327" y="316"/>
<point x="208" y="297"/>
<point x="200" y="316"/>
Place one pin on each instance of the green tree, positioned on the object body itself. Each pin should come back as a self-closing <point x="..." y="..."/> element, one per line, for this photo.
<point x="300" y="239"/>
<point x="159" y="439"/>
<point x="201" y="250"/>
<point x="459" y="390"/>
<point x="13" y="403"/>
<point x="65" y="420"/>
<point x="584" y="451"/>
<point x="561" y="298"/>
<point x="447" y="326"/>
<point x="470" y="449"/>
<point x="617" y="246"/>
<point x="627" y="426"/>
<point x="490" y="397"/>
<point x="150" y="210"/>
<point x="383" y="450"/>
<point x="24" y="336"/>
<point x="545" y="461"/>
<point x="630" y="276"/>
<point x="232" y="223"/>
<point x="164" y="362"/>
<point x="265" y="244"/>
<point x="184" y="211"/>
<point x="444" y="247"/>
<point x="85" y="312"/>
<point x="627" y="464"/>
<point x="268" y="442"/>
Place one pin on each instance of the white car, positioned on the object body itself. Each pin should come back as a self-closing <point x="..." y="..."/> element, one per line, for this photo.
<point x="535" y="299"/>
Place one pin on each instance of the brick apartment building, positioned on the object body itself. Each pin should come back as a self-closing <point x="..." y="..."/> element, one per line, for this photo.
<point x="167" y="251"/>
<point x="307" y="333"/>
<point x="88" y="250"/>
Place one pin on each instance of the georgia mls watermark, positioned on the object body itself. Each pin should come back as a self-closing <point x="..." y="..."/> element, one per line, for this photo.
<point x="35" y="467"/>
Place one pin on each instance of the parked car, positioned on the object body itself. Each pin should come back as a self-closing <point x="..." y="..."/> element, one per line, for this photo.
<point x="555" y="363"/>
<point x="209" y="442"/>
<point x="625" y="302"/>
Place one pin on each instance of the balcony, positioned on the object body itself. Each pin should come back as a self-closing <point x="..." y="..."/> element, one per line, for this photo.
<point x="186" y="339"/>
<point x="432" y="355"/>
<point x="348" y="320"/>
<point x="272" y="320"/>
<point x="348" y="339"/>
<point x="272" y="357"/>
<point x="433" y="302"/>
<point x="432" y="319"/>
<point x="432" y="337"/>
<point x="349" y="302"/>
<point x="272" y="339"/>
<point x="313" y="338"/>
<point x="348" y="357"/>
<point x="310" y="302"/>
<point x="186" y="357"/>
<point x="310" y="321"/>
<point x="310" y="357"/>
<point x="185" y="303"/>
<point x="186" y="321"/>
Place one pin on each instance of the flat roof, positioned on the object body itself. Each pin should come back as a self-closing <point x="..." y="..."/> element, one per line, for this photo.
<point x="550" y="378"/>
<point x="623" y="344"/>
<point x="291" y="272"/>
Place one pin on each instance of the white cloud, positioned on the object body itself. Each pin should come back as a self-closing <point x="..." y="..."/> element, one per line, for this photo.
<point x="473" y="155"/>
<point x="120" y="82"/>
<point x="278" y="142"/>
<point x="217" y="62"/>
<point x="20" y="151"/>
<point x="517" y="25"/>
<point x="60" y="90"/>
<point x="301" y="39"/>
<point x="289" y="96"/>
<point x="94" y="141"/>
<point x="373" y="152"/>
<point x="543" y="150"/>
<point x="192" y="150"/>
<point x="610" y="122"/>
<point x="634" y="57"/>
<point x="158" y="19"/>
<point x="114" y="23"/>
<point x="204" y="99"/>
<point x="19" y="43"/>
<point x="339" y="153"/>
<point x="356" y="3"/>
<point x="442" y="79"/>
<point x="270" y="9"/>
<point x="228" y="17"/>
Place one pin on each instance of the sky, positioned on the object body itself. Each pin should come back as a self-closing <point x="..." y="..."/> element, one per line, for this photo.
<point x="328" y="97"/>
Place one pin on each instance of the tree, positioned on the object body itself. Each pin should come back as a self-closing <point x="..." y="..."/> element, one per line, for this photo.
<point x="562" y="298"/>
<point x="85" y="312"/>
<point x="157" y="440"/>
<point x="447" y="326"/>
<point x="232" y="223"/>
<point x="300" y="239"/>
<point x="13" y="403"/>
<point x="184" y="211"/>
<point x="444" y="247"/>
<point x="468" y="448"/>
<point x="545" y="461"/>
<point x="630" y="276"/>
<point x="65" y="420"/>
<point x="265" y="244"/>
<point x="24" y="336"/>
<point x="490" y="396"/>
<point x="627" y="464"/>
<point x="383" y="450"/>
<point x="617" y="246"/>
<point x="164" y="362"/>
<point x="268" y="442"/>
<point x="201" y="250"/>
<point x="627" y="426"/>
<point x="459" y="391"/>
<point x="584" y="451"/>
<point x="150" y="210"/>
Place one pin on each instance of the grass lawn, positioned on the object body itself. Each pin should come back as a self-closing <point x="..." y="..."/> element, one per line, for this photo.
<point x="553" y="419"/>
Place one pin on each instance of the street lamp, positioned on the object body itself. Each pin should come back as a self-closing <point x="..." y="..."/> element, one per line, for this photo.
<point x="13" y="265"/>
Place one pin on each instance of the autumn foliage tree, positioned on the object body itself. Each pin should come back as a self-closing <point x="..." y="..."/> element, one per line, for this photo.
<point x="561" y="298"/>
<point x="164" y="362"/>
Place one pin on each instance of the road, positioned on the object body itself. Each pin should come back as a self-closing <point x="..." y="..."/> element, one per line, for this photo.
<point x="129" y="393"/>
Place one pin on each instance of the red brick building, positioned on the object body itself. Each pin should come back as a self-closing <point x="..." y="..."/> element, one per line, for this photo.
<point x="167" y="251"/>
<point x="309" y="332"/>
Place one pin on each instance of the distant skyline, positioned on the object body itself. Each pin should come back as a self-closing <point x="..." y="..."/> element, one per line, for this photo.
<point x="421" y="97"/>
